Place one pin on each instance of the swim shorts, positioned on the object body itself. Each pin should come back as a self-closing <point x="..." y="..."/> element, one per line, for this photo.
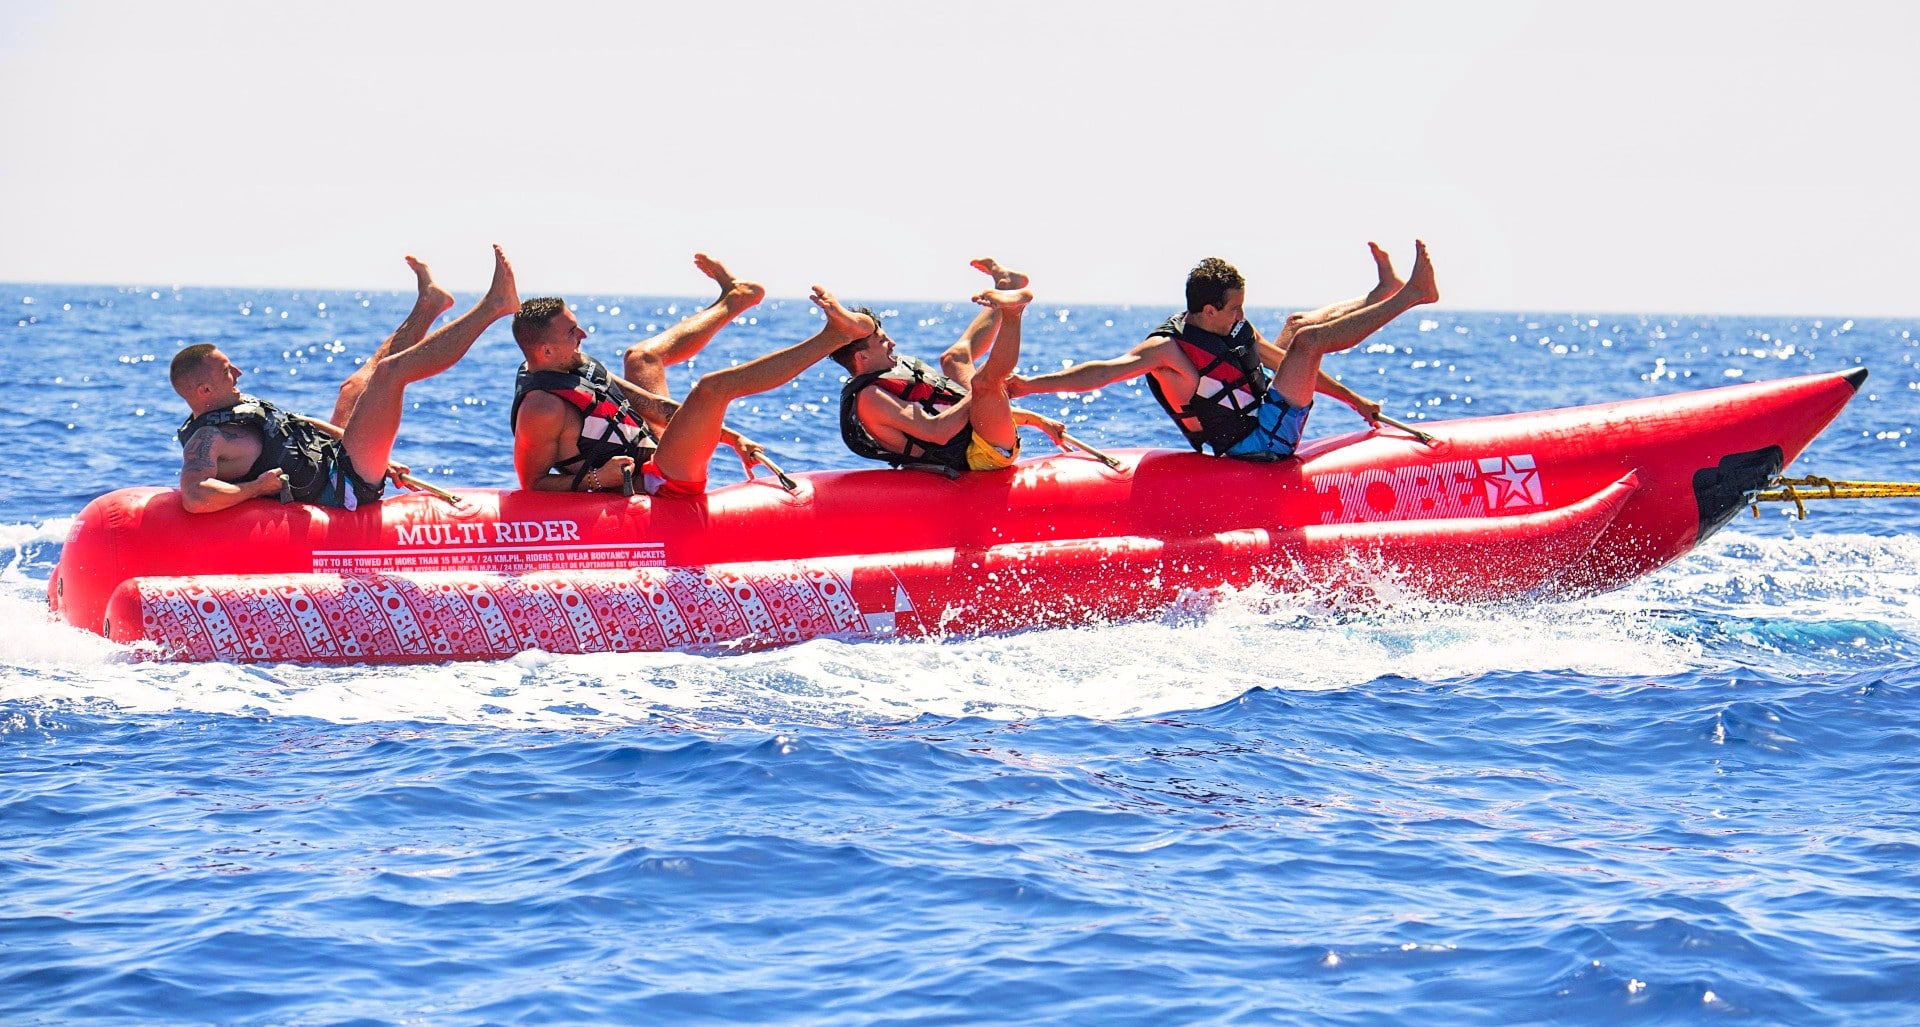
<point x="985" y="456"/>
<point x="658" y="484"/>
<point x="344" y="488"/>
<point x="1278" y="433"/>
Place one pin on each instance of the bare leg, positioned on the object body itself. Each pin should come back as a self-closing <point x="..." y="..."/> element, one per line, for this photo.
<point x="1388" y="285"/>
<point x="646" y="362"/>
<point x="1306" y="343"/>
<point x="376" y="418"/>
<point x="430" y="304"/>
<point x="992" y="416"/>
<point x="977" y="341"/>
<point x="690" y="438"/>
<point x="957" y="362"/>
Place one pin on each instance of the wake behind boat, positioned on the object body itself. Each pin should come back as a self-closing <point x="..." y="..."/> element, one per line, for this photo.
<point x="1552" y="503"/>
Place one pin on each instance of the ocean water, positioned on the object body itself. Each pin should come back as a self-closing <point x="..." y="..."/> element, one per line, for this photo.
<point x="1694" y="799"/>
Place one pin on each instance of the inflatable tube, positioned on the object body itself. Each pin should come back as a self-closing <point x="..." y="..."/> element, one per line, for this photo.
<point x="1557" y="502"/>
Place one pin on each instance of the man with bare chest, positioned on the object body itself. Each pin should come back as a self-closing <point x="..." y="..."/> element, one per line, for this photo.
<point x="239" y="447"/>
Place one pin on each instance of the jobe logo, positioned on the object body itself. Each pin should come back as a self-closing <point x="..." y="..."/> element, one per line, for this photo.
<point x="1454" y="488"/>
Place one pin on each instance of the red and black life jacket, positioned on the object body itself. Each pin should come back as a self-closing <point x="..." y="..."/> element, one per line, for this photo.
<point x="1225" y="407"/>
<point x="910" y="381"/>
<point x="608" y="425"/>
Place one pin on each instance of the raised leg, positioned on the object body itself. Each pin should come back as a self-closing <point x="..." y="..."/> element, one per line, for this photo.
<point x="1307" y="342"/>
<point x="646" y="363"/>
<point x="957" y="362"/>
<point x="1389" y="283"/>
<point x="428" y="305"/>
<point x="977" y="341"/>
<point x="992" y="416"/>
<point x="376" y="417"/>
<point x="690" y="438"/>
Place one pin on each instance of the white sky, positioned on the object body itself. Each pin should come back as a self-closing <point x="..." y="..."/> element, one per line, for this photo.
<point x="1753" y="157"/>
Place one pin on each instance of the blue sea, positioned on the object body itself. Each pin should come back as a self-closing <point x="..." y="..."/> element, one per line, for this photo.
<point x="1694" y="799"/>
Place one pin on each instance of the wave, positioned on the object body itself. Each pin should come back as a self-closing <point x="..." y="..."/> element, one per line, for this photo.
<point x="1740" y="601"/>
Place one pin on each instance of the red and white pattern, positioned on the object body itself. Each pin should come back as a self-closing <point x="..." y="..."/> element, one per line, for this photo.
<point x="441" y="615"/>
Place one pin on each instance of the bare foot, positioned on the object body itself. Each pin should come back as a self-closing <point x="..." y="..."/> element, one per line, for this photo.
<point x="433" y="300"/>
<point x="1002" y="278"/>
<point x="735" y="294"/>
<point x="1004" y="299"/>
<point x="1420" y="282"/>
<point x="841" y="321"/>
<point x="503" y="297"/>
<point x="1389" y="282"/>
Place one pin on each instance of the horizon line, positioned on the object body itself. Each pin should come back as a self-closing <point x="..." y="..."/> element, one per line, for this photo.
<point x="597" y="294"/>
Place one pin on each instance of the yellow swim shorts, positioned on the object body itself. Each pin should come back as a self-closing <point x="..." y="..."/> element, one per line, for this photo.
<point x="985" y="456"/>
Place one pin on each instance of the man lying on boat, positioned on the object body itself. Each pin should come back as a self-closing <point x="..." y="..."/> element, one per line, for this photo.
<point x="239" y="447"/>
<point x="957" y="418"/>
<point x="579" y="428"/>
<point x="1224" y="384"/>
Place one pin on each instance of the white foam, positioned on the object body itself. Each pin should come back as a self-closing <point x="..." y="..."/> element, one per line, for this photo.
<point x="18" y="536"/>
<point x="1209" y="651"/>
<point x="1814" y="578"/>
<point x="14" y="540"/>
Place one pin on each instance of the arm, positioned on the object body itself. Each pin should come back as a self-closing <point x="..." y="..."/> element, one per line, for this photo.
<point x="325" y="426"/>
<point x="1361" y="405"/>
<point x="1053" y="429"/>
<point x="658" y="410"/>
<point x="1148" y="356"/>
<point x="1272" y="352"/>
<point x="879" y="408"/>
<point x="537" y="438"/>
<point x="653" y="408"/>
<point x="750" y="451"/>
<point x="202" y="491"/>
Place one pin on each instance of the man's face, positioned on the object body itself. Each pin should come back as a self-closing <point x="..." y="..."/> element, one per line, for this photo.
<point x="1221" y="319"/>
<point x="219" y="381"/>
<point x="877" y="354"/>
<point x="563" y="333"/>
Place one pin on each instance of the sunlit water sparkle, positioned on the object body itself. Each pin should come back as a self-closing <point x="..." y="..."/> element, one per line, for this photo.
<point x="1689" y="799"/>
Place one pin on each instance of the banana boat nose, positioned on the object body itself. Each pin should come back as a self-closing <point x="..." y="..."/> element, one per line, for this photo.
<point x="1721" y="491"/>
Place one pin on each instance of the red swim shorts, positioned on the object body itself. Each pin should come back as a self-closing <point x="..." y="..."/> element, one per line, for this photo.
<point x="658" y="484"/>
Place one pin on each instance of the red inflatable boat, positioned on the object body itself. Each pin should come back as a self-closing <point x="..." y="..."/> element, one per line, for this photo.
<point x="1559" y="502"/>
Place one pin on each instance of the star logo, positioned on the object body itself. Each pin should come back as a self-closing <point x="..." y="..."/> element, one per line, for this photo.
<point x="1511" y="482"/>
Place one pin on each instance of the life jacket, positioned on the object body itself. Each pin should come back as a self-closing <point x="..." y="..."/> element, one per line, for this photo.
<point x="312" y="459"/>
<point x="608" y="425"/>
<point x="910" y="381"/>
<point x="1225" y="407"/>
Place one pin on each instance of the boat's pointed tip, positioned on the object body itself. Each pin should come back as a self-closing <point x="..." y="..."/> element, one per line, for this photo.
<point x="1855" y="377"/>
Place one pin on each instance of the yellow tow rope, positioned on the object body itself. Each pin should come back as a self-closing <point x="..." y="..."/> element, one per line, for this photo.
<point x="1788" y="490"/>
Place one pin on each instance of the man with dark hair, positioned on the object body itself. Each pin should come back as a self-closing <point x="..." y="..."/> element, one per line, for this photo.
<point x="958" y="418"/>
<point x="1224" y="384"/>
<point x="239" y="447"/>
<point x="577" y="427"/>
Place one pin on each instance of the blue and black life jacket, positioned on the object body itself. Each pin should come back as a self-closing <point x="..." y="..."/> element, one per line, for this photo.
<point x="609" y="427"/>
<point x="910" y="381"/>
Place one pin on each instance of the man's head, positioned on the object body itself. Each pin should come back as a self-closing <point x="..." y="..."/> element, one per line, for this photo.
<point x="205" y="378"/>
<point x="547" y="331"/>
<point x="869" y="353"/>
<point x="1215" y="296"/>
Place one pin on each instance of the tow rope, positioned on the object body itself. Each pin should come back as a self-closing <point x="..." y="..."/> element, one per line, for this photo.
<point x="1790" y="490"/>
